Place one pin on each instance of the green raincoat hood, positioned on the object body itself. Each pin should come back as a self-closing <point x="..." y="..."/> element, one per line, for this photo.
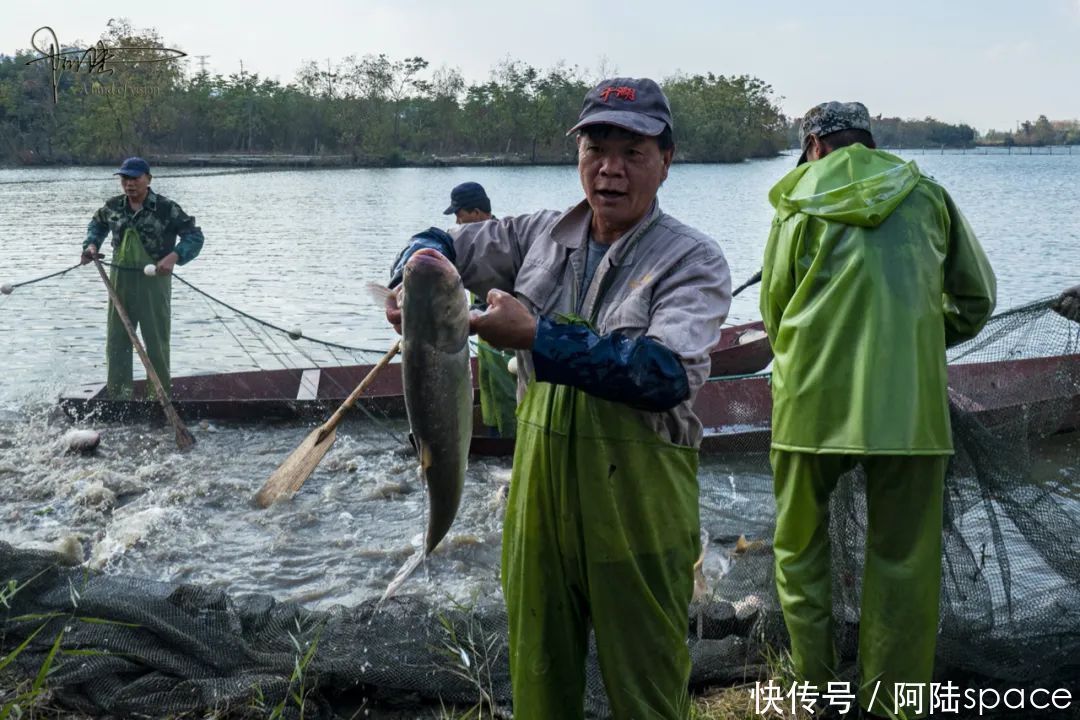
<point x="853" y="185"/>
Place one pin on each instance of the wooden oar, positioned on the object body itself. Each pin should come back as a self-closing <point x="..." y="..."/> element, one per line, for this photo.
<point x="184" y="440"/>
<point x="292" y="473"/>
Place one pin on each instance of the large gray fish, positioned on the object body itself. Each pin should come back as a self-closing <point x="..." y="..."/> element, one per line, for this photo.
<point x="438" y="388"/>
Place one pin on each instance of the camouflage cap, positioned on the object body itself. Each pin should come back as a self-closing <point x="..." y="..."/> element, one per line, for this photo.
<point x="830" y="117"/>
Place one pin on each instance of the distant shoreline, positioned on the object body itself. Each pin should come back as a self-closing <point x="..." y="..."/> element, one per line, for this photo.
<point x="275" y="160"/>
<point x="286" y="160"/>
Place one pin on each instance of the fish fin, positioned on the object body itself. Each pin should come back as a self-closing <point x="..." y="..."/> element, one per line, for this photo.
<point x="402" y="575"/>
<point x="704" y="548"/>
<point x="380" y="292"/>
<point x="423" y="452"/>
<point x="742" y="545"/>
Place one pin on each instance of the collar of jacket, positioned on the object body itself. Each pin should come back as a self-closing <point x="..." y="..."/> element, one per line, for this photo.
<point x="572" y="230"/>
<point x="150" y="203"/>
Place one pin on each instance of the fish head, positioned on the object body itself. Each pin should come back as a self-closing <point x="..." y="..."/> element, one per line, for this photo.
<point x="434" y="304"/>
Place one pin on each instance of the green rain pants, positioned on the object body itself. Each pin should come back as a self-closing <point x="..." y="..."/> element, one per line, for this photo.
<point x="498" y="389"/>
<point x="902" y="577"/>
<point x="601" y="528"/>
<point x="146" y="300"/>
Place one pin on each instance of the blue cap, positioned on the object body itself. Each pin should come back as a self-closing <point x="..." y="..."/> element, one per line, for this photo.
<point x="468" y="196"/>
<point x="134" y="167"/>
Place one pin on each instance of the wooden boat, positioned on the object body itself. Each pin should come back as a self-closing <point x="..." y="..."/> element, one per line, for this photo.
<point x="734" y="406"/>
<point x="291" y="393"/>
<point x="736" y="412"/>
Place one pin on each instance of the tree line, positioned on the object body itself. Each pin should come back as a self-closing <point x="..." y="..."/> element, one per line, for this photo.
<point x="895" y="132"/>
<point x="373" y="109"/>
<point x="379" y="110"/>
<point x="1038" y="133"/>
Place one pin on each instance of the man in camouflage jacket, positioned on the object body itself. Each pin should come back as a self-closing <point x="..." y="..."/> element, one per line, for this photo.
<point x="145" y="229"/>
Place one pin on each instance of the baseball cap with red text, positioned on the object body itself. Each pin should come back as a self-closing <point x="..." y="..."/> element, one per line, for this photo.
<point x="634" y="104"/>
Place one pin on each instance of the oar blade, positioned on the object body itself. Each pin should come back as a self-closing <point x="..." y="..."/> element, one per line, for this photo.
<point x="292" y="473"/>
<point x="184" y="439"/>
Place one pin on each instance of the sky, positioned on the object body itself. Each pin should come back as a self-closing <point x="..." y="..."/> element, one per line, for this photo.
<point x="990" y="64"/>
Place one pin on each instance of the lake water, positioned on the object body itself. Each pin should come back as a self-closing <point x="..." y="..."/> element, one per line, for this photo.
<point x="296" y="248"/>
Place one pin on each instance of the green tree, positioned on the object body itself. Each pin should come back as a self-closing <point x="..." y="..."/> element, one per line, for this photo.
<point x="1043" y="132"/>
<point x="375" y="108"/>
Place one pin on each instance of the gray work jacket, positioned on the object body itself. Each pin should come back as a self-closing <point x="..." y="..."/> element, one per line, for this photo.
<point x="662" y="279"/>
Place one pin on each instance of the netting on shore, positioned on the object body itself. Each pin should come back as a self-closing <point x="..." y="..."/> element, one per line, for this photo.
<point x="1010" y="594"/>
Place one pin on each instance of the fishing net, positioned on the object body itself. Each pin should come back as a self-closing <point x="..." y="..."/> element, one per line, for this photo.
<point x="1010" y="609"/>
<point x="1010" y="599"/>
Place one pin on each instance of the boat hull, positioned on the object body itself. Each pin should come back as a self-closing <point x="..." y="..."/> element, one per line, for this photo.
<point x="735" y="406"/>
<point x="302" y="393"/>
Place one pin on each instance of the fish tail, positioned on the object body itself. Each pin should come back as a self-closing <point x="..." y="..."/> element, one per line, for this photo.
<point x="403" y="574"/>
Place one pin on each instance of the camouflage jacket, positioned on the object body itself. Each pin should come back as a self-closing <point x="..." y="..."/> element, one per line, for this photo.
<point x="159" y="223"/>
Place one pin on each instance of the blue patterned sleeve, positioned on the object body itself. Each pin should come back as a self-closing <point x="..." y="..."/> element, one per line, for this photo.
<point x="640" y="373"/>
<point x="433" y="238"/>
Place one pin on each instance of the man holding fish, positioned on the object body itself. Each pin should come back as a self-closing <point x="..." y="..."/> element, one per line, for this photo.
<point x="612" y="306"/>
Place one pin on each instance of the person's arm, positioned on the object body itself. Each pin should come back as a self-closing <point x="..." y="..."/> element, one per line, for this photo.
<point x="190" y="238"/>
<point x="970" y="288"/>
<point x="663" y="367"/>
<point x="434" y="239"/>
<point x="96" y="232"/>
<point x="487" y="254"/>
<point x="640" y="373"/>
<point x="778" y="281"/>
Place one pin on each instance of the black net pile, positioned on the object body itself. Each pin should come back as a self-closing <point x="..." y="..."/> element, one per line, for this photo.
<point x="131" y="646"/>
<point x="1010" y="596"/>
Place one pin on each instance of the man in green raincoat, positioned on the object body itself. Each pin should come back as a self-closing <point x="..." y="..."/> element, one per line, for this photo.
<point x="612" y="306"/>
<point x="870" y="271"/>
<point x="147" y="229"/>
<point x="469" y="203"/>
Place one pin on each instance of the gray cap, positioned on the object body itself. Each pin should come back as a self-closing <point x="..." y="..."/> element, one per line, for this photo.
<point x="634" y="104"/>
<point x="830" y="117"/>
